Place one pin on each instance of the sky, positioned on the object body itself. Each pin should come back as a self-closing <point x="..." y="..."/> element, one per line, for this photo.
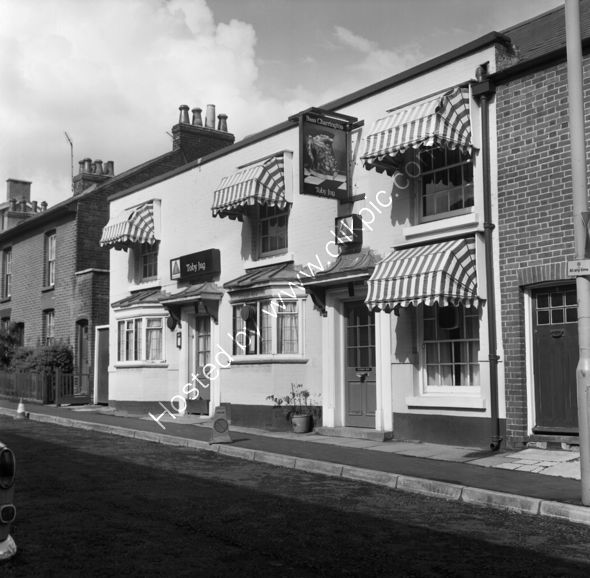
<point x="112" y="73"/>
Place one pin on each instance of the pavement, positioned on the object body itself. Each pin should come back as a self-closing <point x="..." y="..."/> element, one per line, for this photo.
<point x="535" y="481"/>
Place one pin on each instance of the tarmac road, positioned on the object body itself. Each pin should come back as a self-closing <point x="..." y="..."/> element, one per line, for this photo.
<point x="91" y="504"/>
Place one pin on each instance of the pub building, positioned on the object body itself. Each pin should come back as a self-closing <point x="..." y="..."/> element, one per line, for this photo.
<point x="351" y="248"/>
<point x="342" y="249"/>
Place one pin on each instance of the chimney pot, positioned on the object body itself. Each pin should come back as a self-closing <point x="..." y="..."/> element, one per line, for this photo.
<point x="23" y="205"/>
<point x="197" y="120"/>
<point x="34" y="206"/>
<point x="44" y="206"/>
<point x="210" y="116"/>
<point x="13" y="204"/>
<point x="87" y="165"/>
<point x="98" y="167"/>
<point x="222" y="124"/>
<point x="109" y="168"/>
<point x="80" y="167"/>
<point x="183" y="119"/>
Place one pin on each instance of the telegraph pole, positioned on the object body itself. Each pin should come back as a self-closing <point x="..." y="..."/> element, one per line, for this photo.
<point x="580" y="206"/>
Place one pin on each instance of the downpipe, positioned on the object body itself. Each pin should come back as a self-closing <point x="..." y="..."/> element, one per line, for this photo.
<point x="484" y="89"/>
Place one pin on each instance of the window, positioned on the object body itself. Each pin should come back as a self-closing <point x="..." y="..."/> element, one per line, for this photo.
<point x="141" y="339"/>
<point x="6" y="273"/>
<point x="272" y="230"/>
<point x="450" y="347"/>
<point x="447" y="182"/>
<point x="148" y="262"/>
<point x="49" y="260"/>
<point x="19" y="334"/>
<point x="267" y="327"/>
<point x="48" y="326"/>
<point x="5" y="324"/>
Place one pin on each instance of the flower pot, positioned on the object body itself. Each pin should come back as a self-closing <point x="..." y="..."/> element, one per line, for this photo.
<point x="301" y="423"/>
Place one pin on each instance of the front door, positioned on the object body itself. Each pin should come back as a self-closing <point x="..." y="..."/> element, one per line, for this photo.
<point x="556" y="355"/>
<point x="82" y="365"/>
<point x="200" y="356"/>
<point x="360" y="388"/>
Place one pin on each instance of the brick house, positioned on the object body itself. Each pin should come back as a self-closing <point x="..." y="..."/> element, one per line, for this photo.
<point x="535" y="230"/>
<point x="54" y="273"/>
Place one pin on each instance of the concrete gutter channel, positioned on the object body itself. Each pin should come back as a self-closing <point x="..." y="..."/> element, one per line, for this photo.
<point x="418" y="485"/>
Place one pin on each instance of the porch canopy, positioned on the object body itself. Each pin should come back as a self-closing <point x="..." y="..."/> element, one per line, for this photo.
<point x="443" y="273"/>
<point x="134" y="225"/>
<point x="261" y="183"/>
<point x="442" y="120"/>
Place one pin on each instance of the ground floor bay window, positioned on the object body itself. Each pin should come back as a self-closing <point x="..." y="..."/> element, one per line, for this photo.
<point x="450" y="348"/>
<point x="267" y="327"/>
<point x="140" y="339"/>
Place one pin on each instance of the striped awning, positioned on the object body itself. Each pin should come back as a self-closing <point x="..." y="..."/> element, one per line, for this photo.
<point x="135" y="225"/>
<point x="258" y="184"/>
<point x="443" y="273"/>
<point x="442" y="120"/>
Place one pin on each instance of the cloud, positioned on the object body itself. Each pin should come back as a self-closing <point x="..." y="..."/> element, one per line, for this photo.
<point x="113" y="74"/>
<point x="376" y="63"/>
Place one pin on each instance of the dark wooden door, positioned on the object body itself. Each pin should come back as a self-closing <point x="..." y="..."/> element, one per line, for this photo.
<point x="360" y="388"/>
<point x="555" y="359"/>
<point x="102" y="362"/>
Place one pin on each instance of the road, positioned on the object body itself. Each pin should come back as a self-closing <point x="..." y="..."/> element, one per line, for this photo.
<point x="90" y="504"/>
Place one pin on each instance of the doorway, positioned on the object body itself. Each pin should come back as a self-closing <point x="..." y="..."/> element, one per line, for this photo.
<point x="359" y="371"/>
<point x="199" y="357"/>
<point x="555" y="357"/>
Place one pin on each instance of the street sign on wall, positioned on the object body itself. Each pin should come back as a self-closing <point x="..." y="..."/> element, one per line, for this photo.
<point x="201" y="266"/>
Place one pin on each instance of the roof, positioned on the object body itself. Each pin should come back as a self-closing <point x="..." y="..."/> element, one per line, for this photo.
<point x="545" y="33"/>
<point x="138" y="174"/>
<point x="281" y="273"/>
<point x="152" y="296"/>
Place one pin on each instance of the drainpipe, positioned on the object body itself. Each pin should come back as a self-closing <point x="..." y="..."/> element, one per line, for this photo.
<point x="485" y="90"/>
<point x="580" y="206"/>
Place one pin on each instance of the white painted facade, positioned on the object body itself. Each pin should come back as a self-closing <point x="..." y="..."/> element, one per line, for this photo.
<point x="390" y="219"/>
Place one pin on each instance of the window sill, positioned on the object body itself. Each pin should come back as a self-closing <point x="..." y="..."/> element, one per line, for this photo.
<point x="273" y="260"/>
<point x="47" y="288"/>
<point x="140" y="364"/>
<point x="441" y="228"/>
<point x="260" y="359"/>
<point x="5" y="299"/>
<point x="154" y="284"/>
<point x="447" y="401"/>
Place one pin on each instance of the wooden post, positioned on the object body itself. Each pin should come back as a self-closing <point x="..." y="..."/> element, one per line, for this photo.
<point x="57" y="378"/>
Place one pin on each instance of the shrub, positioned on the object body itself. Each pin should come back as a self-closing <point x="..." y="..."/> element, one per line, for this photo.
<point x="44" y="358"/>
<point x="8" y="344"/>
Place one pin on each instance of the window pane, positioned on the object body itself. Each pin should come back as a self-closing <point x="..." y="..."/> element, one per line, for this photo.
<point x="556" y="299"/>
<point x="287" y="330"/>
<point x="557" y="316"/>
<point x="542" y="317"/>
<point x="570" y="298"/>
<point x="153" y="338"/>
<point x="542" y="300"/>
<point x="266" y="327"/>
<point x="571" y="315"/>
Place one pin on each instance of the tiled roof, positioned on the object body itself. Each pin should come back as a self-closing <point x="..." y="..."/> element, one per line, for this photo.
<point x="545" y="33"/>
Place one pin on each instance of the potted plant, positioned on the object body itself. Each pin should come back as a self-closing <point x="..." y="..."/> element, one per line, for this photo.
<point x="298" y="408"/>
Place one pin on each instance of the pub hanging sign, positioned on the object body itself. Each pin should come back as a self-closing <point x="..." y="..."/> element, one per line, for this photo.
<point x="324" y="154"/>
<point x="201" y="266"/>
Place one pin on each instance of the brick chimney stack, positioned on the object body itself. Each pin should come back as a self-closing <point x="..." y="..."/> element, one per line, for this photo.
<point x="92" y="173"/>
<point x="196" y="140"/>
<point x="19" y="190"/>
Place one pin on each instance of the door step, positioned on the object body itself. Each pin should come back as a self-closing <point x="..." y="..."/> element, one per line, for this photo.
<point x="355" y="432"/>
<point x="554" y="442"/>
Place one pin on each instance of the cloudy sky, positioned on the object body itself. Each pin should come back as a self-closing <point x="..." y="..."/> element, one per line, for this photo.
<point x="112" y="73"/>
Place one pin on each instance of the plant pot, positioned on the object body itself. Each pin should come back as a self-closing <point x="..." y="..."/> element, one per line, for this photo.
<point x="301" y="423"/>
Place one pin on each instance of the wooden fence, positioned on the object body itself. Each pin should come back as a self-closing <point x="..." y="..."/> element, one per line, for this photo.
<point x="45" y="387"/>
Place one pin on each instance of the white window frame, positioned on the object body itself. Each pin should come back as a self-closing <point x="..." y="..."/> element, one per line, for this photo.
<point x="444" y="389"/>
<point x="50" y="258"/>
<point x="421" y="193"/>
<point x="130" y="325"/>
<point x="7" y="273"/>
<point x="259" y="222"/>
<point x="262" y="305"/>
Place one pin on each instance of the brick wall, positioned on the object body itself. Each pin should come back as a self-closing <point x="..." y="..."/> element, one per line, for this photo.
<point x="535" y="210"/>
